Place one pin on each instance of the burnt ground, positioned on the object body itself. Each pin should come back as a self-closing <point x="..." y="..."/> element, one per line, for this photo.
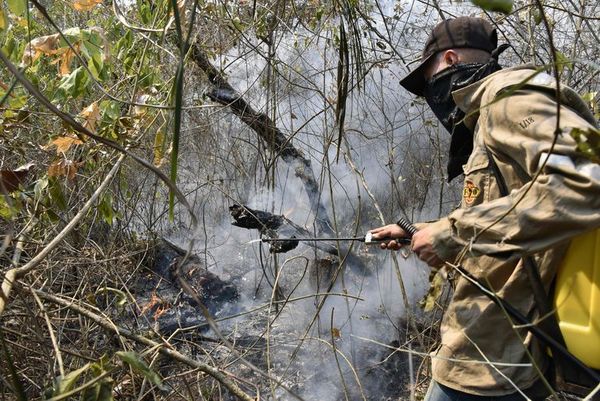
<point x="163" y="308"/>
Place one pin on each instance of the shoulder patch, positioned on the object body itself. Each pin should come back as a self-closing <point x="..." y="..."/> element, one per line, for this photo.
<point x="470" y="192"/>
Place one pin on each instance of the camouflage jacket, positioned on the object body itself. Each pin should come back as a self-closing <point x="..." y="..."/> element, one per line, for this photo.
<point x="554" y="195"/>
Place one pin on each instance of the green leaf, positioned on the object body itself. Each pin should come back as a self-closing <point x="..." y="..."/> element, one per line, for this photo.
<point x="563" y="61"/>
<point x="3" y="19"/>
<point x="93" y="53"/>
<point x="145" y="12"/>
<point x="106" y="209"/>
<point x="110" y="114"/>
<point x="589" y="97"/>
<point x="503" y="6"/>
<point x="102" y="391"/>
<point x="75" y="83"/>
<point x="101" y="366"/>
<point x="7" y="209"/>
<point x="15" y="103"/>
<point x="73" y="35"/>
<point x="57" y="195"/>
<point x="18" y="101"/>
<point x="110" y="111"/>
<point x="96" y="67"/>
<point x="62" y="384"/>
<point x="17" y="7"/>
<point x="123" y="45"/>
<point x="10" y="46"/>
<point x="537" y="16"/>
<point x="588" y="142"/>
<point x="140" y="366"/>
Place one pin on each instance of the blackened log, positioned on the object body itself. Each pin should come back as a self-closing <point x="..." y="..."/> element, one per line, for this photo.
<point x="254" y="219"/>
<point x="283" y="246"/>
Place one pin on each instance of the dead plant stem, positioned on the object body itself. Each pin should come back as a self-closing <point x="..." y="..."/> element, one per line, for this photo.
<point x="216" y="373"/>
<point x="57" y="352"/>
<point x="14" y="274"/>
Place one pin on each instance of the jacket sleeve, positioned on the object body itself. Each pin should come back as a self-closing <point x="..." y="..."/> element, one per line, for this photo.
<point x="561" y="200"/>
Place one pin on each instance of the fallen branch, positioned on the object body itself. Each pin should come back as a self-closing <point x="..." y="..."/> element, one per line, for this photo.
<point x="224" y="94"/>
<point x="270" y="225"/>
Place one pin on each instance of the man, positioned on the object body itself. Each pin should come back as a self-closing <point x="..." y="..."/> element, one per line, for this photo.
<point x="527" y="191"/>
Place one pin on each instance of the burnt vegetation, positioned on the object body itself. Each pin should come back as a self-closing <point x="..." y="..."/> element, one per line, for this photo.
<point x="139" y="141"/>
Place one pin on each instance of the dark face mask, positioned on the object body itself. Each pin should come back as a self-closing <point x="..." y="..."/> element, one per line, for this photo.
<point x="438" y="94"/>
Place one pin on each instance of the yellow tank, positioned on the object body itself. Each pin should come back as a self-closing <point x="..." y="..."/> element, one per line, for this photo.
<point x="577" y="298"/>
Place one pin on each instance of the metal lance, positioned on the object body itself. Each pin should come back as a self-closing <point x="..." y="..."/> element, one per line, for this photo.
<point x="367" y="239"/>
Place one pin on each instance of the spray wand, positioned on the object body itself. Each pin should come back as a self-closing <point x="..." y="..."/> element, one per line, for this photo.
<point x="367" y="239"/>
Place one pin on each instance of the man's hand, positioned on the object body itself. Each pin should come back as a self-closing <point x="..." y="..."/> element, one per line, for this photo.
<point x="423" y="247"/>
<point x="421" y="242"/>
<point x="389" y="231"/>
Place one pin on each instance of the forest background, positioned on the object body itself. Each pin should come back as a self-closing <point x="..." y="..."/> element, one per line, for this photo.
<point x="129" y="128"/>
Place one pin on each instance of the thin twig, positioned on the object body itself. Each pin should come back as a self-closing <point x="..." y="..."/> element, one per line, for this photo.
<point x="59" y="358"/>
<point x="13" y="274"/>
<point x="103" y="322"/>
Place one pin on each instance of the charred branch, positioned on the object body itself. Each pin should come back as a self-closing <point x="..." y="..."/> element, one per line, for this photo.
<point x="277" y="226"/>
<point x="162" y="347"/>
<point x="284" y="246"/>
<point x="224" y="94"/>
<point x="255" y="219"/>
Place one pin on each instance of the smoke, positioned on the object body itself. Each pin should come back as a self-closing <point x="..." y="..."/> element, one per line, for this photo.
<point x="392" y="156"/>
<point x="314" y="340"/>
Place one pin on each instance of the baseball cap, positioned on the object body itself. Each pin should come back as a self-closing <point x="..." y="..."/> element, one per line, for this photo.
<point x="461" y="32"/>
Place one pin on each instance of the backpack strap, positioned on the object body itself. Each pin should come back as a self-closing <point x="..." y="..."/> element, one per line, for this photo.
<point x="568" y="376"/>
<point x="548" y="322"/>
<point x="540" y="296"/>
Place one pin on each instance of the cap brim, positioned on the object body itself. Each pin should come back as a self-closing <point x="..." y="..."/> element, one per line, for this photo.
<point x="415" y="81"/>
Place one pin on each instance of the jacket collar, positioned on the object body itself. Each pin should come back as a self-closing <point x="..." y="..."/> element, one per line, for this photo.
<point x="469" y="98"/>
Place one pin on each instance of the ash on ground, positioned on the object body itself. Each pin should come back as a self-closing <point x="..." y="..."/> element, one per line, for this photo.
<point x="294" y="339"/>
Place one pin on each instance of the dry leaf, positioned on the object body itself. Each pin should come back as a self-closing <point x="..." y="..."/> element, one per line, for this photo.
<point x="181" y="9"/>
<point x="47" y="45"/>
<point x="63" y="143"/>
<point x="91" y="115"/>
<point x="159" y="155"/>
<point x="138" y="109"/>
<point x="65" y="61"/>
<point x="64" y="167"/>
<point x="161" y="310"/>
<point x="335" y="333"/>
<point x="11" y="179"/>
<point x="436" y="288"/>
<point x="85" y="5"/>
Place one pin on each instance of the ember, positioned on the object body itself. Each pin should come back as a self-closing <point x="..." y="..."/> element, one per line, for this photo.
<point x="163" y="303"/>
